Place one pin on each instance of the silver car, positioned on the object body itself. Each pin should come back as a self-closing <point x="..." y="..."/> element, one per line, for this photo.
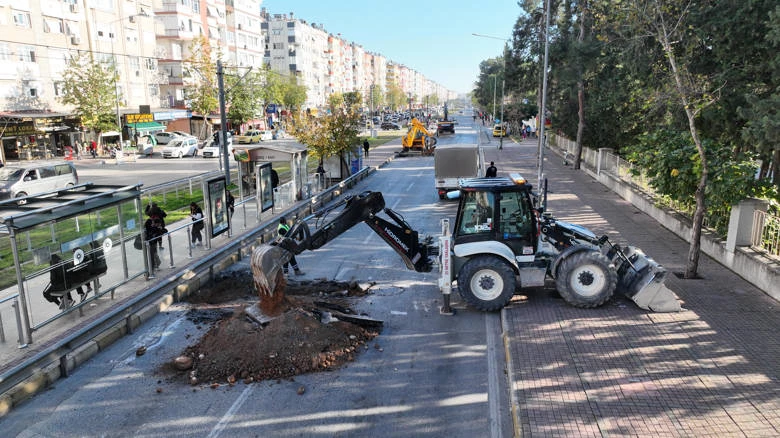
<point x="180" y="147"/>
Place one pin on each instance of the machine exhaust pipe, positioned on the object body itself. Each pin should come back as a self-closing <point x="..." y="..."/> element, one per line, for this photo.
<point x="641" y="279"/>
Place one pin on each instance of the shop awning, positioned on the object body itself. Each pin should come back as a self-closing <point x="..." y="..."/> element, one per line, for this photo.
<point x="147" y="126"/>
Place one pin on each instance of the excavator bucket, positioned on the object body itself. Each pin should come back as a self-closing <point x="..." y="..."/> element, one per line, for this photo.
<point x="267" y="263"/>
<point x="641" y="279"/>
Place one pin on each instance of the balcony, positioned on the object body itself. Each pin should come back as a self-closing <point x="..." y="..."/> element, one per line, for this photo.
<point x="174" y="6"/>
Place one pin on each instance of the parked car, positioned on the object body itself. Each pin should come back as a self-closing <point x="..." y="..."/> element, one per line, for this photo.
<point x="180" y="147"/>
<point x="499" y="131"/>
<point x="251" y="136"/>
<point x="183" y="134"/>
<point x="254" y="136"/>
<point x="165" y="137"/>
<point x="212" y="149"/>
<point x="390" y="126"/>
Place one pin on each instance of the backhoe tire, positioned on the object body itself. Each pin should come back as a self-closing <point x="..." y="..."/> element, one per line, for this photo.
<point x="486" y="283"/>
<point x="586" y="279"/>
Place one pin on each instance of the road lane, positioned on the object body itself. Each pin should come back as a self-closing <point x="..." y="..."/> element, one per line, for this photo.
<point x="426" y="374"/>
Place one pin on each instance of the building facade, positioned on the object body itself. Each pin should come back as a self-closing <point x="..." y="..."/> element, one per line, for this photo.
<point x="148" y="41"/>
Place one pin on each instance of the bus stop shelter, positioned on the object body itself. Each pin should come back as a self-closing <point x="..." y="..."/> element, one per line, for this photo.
<point x="250" y="156"/>
<point x="62" y="241"/>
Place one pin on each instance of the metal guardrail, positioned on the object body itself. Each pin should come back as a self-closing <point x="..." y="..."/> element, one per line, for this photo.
<point x="766" y="232"/>
<point x="57" y="350"/>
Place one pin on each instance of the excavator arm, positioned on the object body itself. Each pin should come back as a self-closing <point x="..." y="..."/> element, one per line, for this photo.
<point x="268" y="259"/>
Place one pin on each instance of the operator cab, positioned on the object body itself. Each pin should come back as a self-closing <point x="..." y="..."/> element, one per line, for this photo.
<point x="497" y="209"/>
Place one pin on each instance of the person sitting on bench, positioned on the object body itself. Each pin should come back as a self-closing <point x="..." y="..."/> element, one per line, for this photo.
<point x="57" y="283"/>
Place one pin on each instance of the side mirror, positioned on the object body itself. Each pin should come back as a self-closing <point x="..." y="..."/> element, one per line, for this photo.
<point x="455" y="194"/>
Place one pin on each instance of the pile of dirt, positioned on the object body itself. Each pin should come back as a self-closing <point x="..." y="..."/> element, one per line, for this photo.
<point x="308" y="336"/>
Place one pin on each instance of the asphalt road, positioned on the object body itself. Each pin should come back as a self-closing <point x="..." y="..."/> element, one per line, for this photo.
<point x="426" y="374"/>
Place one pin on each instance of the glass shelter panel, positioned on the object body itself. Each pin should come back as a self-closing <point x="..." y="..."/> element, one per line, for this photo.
<point x="79" y="257"/>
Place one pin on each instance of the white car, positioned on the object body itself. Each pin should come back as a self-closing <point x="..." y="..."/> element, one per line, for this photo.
<point x="165" y="137"/>
<point x="212" y="149"/>
<point x="180" y="147"/>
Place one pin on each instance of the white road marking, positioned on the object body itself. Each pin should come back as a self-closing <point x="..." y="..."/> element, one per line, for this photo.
<point x="492" y="325"/>
<point x="225" y="420"/>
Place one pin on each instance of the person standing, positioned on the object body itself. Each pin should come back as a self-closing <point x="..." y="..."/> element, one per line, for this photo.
<point x="365" y="147"/>
<point x="282" y="230"/>
<point x="93" y="148"/>
<point x="274" y="178"/>
<point x="196" y="214"/>
<point x="154" y="231"/>
<point x="491" y="171"/>
<point x="231" y="203"/>
<point x="156" y="213"/>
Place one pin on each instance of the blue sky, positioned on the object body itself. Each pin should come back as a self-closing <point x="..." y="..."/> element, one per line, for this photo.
<point x="433" y="37"/>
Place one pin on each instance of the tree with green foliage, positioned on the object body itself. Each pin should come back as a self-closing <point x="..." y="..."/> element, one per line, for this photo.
<point x="200" y="73"/>
<point x="375" y="97"/>
<point x="241" y="96"/>
<point x="395" y="97"/>
<point x="294" y="94"/>
<point x="90" y="87"/>
<point x="487" y="88"/>
<point x="327" y="135"/>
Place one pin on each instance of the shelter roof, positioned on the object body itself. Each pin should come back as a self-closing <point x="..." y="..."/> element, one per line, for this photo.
<point x="30" y="211"/>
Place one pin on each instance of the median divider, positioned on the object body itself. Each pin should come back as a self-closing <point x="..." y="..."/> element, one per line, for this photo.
<point x="37" y="373"/>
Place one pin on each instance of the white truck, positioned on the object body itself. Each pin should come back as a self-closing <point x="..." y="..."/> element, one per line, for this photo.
<point x="453" y="162"/>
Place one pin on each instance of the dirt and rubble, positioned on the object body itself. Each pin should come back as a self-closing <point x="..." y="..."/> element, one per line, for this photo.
<point x="313" y="332"/>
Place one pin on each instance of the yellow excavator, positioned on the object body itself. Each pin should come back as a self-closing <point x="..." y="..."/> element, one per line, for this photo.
<point x="418" y="139"/>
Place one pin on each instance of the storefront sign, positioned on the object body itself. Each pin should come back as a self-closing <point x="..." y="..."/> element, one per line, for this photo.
<point x="13" y="130"/>
<point x="139" y="118"/>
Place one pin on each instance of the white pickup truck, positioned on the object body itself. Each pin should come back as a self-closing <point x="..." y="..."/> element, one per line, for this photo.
<point x="452" y="162"/>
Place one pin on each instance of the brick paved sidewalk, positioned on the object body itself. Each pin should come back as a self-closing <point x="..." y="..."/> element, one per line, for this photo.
<point x="711" y="370"/>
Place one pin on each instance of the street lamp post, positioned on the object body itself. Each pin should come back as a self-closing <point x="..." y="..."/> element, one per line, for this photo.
<point x="503" y="84"/>
<point x="116" y="76"/>
<point x="543" y="109"/>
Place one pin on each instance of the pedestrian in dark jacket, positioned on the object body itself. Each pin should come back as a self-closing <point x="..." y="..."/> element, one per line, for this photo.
<point x="231" y="203"/>
<point x="196" y="214"/>
<point x="365" y="147"/>
<point x="491" y="171"/>
<point x="154" y="231"/>
<point x="156" y="213"/>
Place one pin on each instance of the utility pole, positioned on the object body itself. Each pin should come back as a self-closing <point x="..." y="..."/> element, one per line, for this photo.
<point x="223" y="121"/>
<point x="543" y="109"/>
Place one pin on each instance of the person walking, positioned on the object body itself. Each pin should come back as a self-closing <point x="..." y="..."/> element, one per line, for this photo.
<point x="154" y="232"/>
<point x="156" y="213"/>
<point x="282" y="230"/>
<point x="196" y="214"/>
<point x="365" y="147"/>
<point x="491" y="171"/>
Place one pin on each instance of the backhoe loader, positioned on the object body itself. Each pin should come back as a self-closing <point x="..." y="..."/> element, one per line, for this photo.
<point x="502" y="241"/>
<point x="418" y="139"/>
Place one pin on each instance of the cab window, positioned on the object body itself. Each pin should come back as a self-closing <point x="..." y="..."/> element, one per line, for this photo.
<point x="515" y="220"/>
<point x="477" y="213"/>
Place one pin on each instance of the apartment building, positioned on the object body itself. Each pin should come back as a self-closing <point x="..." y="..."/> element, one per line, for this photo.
<point x="297" y="48"/>
<point x="234" y="32"/>
<point x="39" y="37"/>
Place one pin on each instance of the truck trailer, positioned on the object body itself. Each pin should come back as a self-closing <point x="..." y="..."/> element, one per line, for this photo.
<point x="454" y="162"/>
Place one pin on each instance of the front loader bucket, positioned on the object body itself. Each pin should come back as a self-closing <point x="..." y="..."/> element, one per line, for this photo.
<point x="641" y="279"/>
